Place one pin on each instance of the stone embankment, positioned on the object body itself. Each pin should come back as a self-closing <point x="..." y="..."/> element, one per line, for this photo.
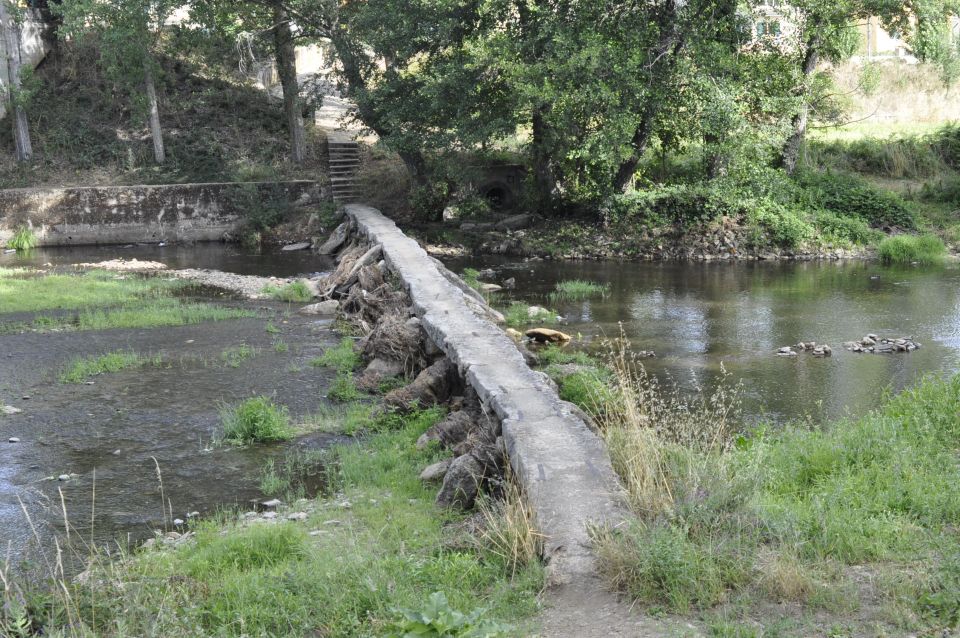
<point x="127" y="214"/>
<point x="419" y="318"/>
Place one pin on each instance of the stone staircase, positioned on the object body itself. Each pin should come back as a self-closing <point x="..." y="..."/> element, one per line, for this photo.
<point x="344" y="160"/>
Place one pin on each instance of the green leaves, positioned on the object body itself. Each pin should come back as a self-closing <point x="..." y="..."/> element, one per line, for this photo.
<point x="437" y="620"/>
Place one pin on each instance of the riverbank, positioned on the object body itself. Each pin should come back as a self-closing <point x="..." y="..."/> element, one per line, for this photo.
<point x="844" y="527"/>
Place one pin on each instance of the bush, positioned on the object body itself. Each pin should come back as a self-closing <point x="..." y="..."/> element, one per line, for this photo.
<point x="908" y="249"/>
<point x="835" y="228"/>
<point x="256" y="420"/>
<point x="849" y="196"/>
<point x="676" y="204"/>
<point x="783" y="226"/>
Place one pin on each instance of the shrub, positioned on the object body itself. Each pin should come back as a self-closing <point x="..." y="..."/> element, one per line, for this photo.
<point x="783" y="226"/>
<point x="344" y="388"/>
<point x="676" y="204"/>
<point x="23" y="239"/>
<point x="850" y="196"/>
<point x="835" y="228"/>
<point x="908" y="249"/>
<point x="256" y="420"/>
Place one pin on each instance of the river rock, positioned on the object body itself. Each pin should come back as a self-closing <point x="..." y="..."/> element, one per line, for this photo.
<point x="451" y="430"/>
<point x="328" y="307"/>
<point x="534" y="312"/>
<point x="432" y="386"/>
<point x="435" y="472"/>
<point x="510" y="283"/>
<point x="300" y="245"/>
<point x="273" y="502"/>
<point x="490" y="288"/>
<point x="546" y="335"/>
<point x="461" y="483"/>
<point x="9" y="410"/>
<point x="297" y="516"/>
<point x="786" y="351"/>
<point x="13" y="439"/>
<point x="63" y="477"/>
<point x="487" y="273"/>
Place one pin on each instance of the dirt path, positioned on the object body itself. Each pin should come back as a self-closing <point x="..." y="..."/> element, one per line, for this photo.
<point x="586" y="610"/>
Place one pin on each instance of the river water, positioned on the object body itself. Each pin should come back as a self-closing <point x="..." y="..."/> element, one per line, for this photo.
<point x="699" y="316"/>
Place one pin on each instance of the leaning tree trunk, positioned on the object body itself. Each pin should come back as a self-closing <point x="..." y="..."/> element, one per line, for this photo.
<point x="543" y="177"/>
<point x="159" y="153"/>
<point x="791" y="148"/>
<point x="287" y="69"/>
<point x="18" y="115"/>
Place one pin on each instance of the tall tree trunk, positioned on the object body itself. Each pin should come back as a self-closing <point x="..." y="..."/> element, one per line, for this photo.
<point x="543" y="178"/>
<point x="159" y="153"/>
<point x="18" y="116"/>
<point x="286" y="59"/>
<point x="791" y="148"/>
<point x="671" y="44"/>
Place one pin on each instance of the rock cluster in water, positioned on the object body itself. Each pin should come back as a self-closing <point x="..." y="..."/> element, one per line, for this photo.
<point x="878" y="345"/>
<point x="822" y="350"/>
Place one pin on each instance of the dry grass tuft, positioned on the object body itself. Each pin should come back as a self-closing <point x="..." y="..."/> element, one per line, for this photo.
<point x="508" y="529"/>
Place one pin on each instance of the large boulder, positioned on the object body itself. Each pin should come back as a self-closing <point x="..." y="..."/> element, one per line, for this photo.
<point x="546" y="335"/>
<point x="461" y="483"/>
<point x="449" y="432"/>
<point x="336" y="240"/>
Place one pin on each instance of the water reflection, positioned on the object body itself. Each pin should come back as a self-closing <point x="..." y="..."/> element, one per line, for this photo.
<point x="699" y="316"/>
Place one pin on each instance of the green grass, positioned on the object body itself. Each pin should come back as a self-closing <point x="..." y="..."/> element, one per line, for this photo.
<point x="554" y="354"/>
<point x="233" y="356"/>
<point x="23" y="239"/>
<point x="517" y="315"/>
<point x="272" y="329"/>
<point x="785" y="514"/>
<point x="349" y="419"/>
<point x="344" y="388"/>
<point x="288" y="478"/>
<point x="74" y="292"/>
<point x="382" y="546"/>
<point x="280" y="346"/>
<point x="576" y="290"/>
<point x="296" y="291"/>
<point x="82" y="368"/>
<point x="908" y="249"/>
<point x="256" y="420"/>
<point x="342" y="357"/>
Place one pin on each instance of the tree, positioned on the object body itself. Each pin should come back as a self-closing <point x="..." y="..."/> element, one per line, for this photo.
<point x="129" y="33"/>
<point x="10" y="33"/>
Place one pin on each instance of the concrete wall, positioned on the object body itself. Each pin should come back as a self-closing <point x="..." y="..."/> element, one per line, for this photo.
<point x="33" y="49"/>
<point x="127" y="214"/>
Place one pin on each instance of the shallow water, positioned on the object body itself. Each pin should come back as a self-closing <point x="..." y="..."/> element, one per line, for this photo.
<point x="698" y="316"/>
<point x="269" y="261"/>
<point x="113" y="434"/>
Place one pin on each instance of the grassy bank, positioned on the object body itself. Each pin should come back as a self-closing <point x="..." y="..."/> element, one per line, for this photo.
<point x="842" y="529"/>
<point x="373" y="546"/>
<point x="100" y="300"/>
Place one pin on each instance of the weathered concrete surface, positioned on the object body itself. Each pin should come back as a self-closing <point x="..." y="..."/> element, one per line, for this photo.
<point x="562" y="465"/>
<point x="127" y="214"/>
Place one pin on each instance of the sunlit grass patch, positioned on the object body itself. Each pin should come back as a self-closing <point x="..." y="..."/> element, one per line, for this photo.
<point x="256" y="420"/>
<point x="908" y="249"/>
<point x="577" y="289"/>
<point x="233" y="356"/>
<point x="73" y="292"/>
<point x="296" y="291"/>
<point x="519" y="314"/>
<point x="82" y="368"/>
<point x="23" y="239"/>
<point x="342" y="357"/>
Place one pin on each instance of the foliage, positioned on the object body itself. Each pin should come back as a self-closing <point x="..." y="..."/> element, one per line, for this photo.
<point x="344" y="388"/>
<point x="850" y="196"/>
<point x="82" y="368"/>
<point x="23" y="239"/>
<point x="233" y="356"/>
<point x="343" y="357"/>
<point x="437" y="620"/>
<point x="577" y="289"/>
<point x="295" y="291"/>
<point x="908" y="249"/>
<point x="255" y="420"/>
<point x="519" y="314"/>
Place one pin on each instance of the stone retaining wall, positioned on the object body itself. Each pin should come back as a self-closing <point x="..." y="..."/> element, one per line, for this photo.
<point x="563" y="466"/>
<point x="127" y="214"/>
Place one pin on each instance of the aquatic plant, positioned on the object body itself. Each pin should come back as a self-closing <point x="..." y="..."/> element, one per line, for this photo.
<point x="519" y="314"/>
<point x="344" y="388"/>
<point x="256" y="420"/>
<point x="577" y="289"/>
<point x="82" y="368"/>
<point x="296" y="291"/>
<point x="907" y="249"/>
<point x="342" y="357"/>
<point x="23" y="239"/>
<point x="233" y="356"/>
